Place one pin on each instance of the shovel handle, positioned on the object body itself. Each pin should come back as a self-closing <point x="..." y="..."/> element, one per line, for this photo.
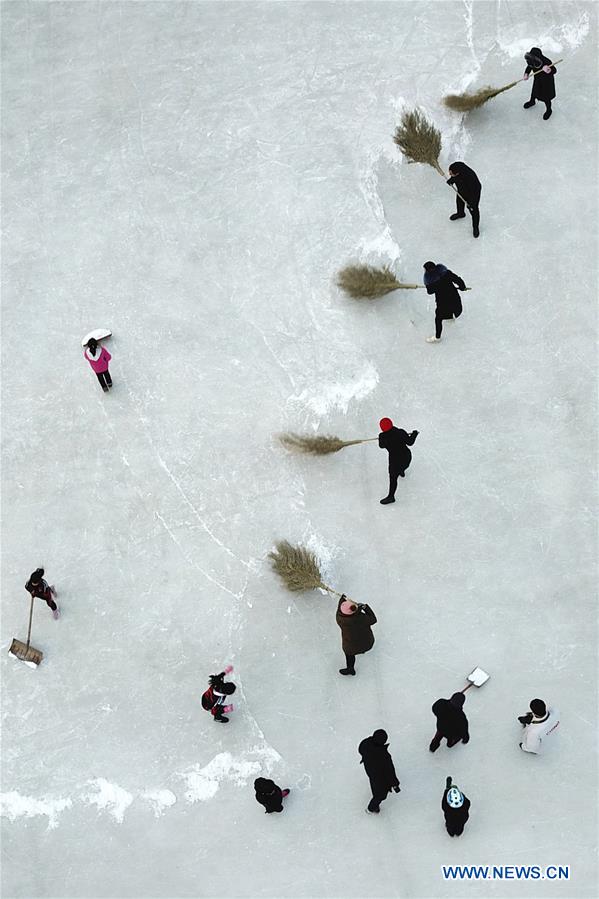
<point x="30" y="620"/>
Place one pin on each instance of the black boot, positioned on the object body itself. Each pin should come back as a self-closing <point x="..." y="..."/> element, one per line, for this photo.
<point x="528" y="104"/>
<point x="457" y="215"/>
<point x="346" y="671"/>
<point x="547" y="113"/>
<point x="387" y="500"/>
<point x="222" y="718"/>
<point x="475" y="231"/>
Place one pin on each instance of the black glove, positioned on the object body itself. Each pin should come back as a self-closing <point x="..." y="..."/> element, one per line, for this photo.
<point x="449" y="181"/>
<point x="466" y="739"/>
<point x="448" y="783"/>
<point x="343" y="596"/>
<point x="415" y="433"/>
<point x="525" y="719"/>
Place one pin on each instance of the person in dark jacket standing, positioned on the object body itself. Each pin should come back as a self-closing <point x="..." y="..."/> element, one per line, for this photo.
<point x="269" y="794"/>
<point x="40" y="589"/>
<point x="379" y="767"/>
<point x="356" y="623"/>
<point x="465" y="181"/>
<point x="543" y="84"/>
<point x="451" y="721"/>
<point x="456" y="808"/>
<point x="396" y="441"/>
<point x="445" y="285"/>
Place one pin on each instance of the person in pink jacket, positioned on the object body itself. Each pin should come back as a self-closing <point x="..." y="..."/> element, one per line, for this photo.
<point x="99" y="357"/>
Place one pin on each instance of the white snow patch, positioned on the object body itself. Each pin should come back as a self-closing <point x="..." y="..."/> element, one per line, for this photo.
<point x="339" y="394"/>
<point x="203" y="783"/>
<point x="325" y="553"/>
<point x="383" y="244"/>
<point x="109" y="797"/>
<point x="159" y="800"/>
<point x="568" y="36"/>
<point x="13" y="805"/>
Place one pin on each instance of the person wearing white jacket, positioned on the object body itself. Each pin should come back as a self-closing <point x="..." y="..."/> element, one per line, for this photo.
<point x="538" y="724"/>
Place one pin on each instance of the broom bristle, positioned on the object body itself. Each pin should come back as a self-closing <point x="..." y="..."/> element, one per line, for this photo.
<point x="366" y="281"/>
<point x="319" y="445"/>
<point x="467" y="102"/>
<point x="296" y="566"/>
<point x="418" y="139"/>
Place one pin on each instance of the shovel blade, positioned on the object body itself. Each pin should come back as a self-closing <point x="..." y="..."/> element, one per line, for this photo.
<point x="478" y="677"/>
<point x="24" y="653"/>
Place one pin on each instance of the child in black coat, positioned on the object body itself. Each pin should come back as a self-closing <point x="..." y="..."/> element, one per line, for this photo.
<point x="269" y="794"/>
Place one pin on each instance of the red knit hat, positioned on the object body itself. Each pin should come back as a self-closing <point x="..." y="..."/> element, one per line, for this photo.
<point x="385" y="424"/>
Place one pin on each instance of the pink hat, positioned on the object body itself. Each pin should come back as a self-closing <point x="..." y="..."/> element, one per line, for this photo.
<point x="348" y="608"/>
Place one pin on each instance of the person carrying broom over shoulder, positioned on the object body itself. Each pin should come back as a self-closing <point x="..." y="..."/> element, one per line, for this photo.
<point x="468" y="187"/>
<point x="543" y="84"/>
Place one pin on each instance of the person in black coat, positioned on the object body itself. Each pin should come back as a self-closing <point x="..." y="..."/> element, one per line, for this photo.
<point x="465" y="181"/>
<point x="451" y="721"/>
<point x="269" y="794"/>
<point x="456" y="808"/>
<point x="396" y="441"/>
<point x="543" y="84"/>
<point x="379" y="767"/>
<point x="443" y="283"/>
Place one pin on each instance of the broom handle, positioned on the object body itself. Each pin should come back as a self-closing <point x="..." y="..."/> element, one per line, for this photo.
<point x="538" y="72"/>
<point x="336" y="592"/>
<point x="30" y="619"/>
<point x="417" y="287"/>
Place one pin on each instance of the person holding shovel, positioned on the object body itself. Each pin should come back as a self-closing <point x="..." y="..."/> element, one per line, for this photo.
<point x="357" y="638"/>
<point x="99" y="357"/>
<point x="543" y="84"/>
<point x="452" y="723"/>
<point x="468" y="187"/>
<point x="448" y="303"/>
<point x="396" y="441"/>
<point x="37" y="587"/>
<point x="379" y="767"/>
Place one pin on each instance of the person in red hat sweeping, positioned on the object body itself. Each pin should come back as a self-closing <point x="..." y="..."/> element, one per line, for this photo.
<point x="396" y="441"/>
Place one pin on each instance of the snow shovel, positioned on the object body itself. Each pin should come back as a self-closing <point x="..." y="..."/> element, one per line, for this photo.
<point x="24" y="651"/>
<point x="97" y="334"/>
<point x="476" y="678"/>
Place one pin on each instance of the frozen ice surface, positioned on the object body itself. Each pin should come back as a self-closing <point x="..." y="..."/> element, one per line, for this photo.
<point x="192" y="175"/>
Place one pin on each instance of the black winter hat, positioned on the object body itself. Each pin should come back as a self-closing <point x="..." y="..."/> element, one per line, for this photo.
<point x="263" y="785"/>
<point x="458" y="700"/>
<point x="538" y="707"/>
<point x="534" y="57"/>
<point x="380" y="737"/>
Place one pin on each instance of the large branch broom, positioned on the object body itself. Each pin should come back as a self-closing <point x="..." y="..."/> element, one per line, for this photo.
<point x="420" y="141"/>
<point x="299" y="569"/>
<point x="24" y="651"/>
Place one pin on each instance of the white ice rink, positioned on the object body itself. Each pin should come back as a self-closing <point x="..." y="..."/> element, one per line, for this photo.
<point x="193" y="175"/>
